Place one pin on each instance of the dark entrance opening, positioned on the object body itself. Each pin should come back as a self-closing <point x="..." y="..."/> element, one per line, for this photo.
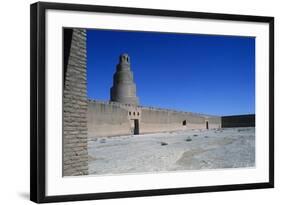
<point x="184" y="123"/>
<point x="136" y="127"/>
<point x="207" y="125"/>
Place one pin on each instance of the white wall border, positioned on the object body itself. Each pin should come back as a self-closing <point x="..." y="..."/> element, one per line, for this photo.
<point x="58" y="185"/>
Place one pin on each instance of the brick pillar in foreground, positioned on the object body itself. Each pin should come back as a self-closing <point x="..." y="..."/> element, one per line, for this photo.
<point x="75" y="154"/>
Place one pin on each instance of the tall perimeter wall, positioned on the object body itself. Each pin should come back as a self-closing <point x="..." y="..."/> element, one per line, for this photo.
<point x="161" y="120"/>
<point x="107" y="119"/>
<point x="111" y="118"/>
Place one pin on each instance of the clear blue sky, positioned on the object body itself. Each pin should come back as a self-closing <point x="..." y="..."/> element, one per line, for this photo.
<point x="189" y="72"/>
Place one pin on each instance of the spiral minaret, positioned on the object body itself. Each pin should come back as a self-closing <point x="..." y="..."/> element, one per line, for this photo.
<point x="124" y="88"/>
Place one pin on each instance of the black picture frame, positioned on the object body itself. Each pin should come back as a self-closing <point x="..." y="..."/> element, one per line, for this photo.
<point x="38" y="101"/>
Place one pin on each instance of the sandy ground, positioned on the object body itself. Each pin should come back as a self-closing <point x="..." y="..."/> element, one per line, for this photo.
<point x="172" y="151"/>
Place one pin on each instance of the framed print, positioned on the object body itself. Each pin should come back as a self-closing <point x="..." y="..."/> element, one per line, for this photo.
<point x="129" y="102"/>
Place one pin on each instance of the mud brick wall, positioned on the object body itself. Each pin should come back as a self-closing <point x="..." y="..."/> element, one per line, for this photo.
<point x="165" y="120"/>
<point x="107" y="119"/>
<point x="238" y="121"/>
<point x="75" y="154"/>
<point x="112" y="119"/>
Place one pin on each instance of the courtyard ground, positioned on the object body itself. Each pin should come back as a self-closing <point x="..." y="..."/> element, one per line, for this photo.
<point x="173" y="151"/>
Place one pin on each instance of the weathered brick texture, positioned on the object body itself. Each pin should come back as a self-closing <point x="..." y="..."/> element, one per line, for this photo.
<point x="75" y="154"/>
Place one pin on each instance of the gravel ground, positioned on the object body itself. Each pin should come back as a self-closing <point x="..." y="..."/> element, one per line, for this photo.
<point x="173" y="151"/>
